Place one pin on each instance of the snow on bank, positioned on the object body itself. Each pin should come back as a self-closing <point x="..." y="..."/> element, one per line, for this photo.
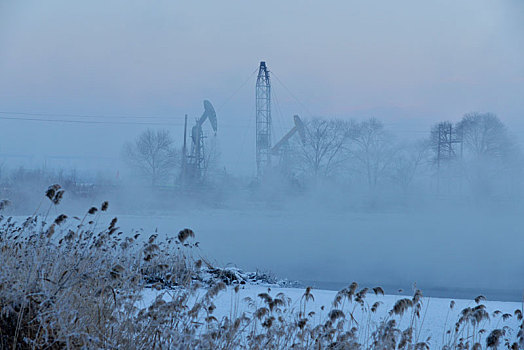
<point x="436" y="316"/>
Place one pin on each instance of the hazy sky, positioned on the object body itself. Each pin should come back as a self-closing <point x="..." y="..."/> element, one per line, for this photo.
<point x="408" y="63"/>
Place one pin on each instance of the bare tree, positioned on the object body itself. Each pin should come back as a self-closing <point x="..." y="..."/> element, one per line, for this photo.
<point x="152" y="154"/>
<point x="484" y="134"/>
<point x="324" y="148"/>
<point x="373" y="150"/>
<point x="408" y="160"/>
<point x="492" y="159"/>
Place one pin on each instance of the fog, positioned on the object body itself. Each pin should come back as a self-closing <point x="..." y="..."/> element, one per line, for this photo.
<point x="80" y="81"/>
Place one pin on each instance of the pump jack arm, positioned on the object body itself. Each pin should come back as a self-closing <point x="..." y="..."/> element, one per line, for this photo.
<point x="299" y="127"/>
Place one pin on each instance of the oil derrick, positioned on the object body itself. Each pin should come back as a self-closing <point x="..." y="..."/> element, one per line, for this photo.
<point x="263" y="120"/>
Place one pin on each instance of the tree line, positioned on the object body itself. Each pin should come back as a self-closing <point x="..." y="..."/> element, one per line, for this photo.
<point x="476" y="153"/>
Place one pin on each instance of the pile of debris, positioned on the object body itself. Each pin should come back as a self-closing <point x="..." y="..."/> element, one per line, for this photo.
<point x="210" y="275"/>
<point x="233" y="276"/>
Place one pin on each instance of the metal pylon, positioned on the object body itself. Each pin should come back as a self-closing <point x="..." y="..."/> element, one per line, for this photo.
<point x="263" y="119"/>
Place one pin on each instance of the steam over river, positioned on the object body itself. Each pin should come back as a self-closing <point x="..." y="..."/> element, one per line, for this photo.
<point x="454" y="254"/>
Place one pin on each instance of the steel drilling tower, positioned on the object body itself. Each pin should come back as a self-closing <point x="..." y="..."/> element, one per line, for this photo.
<point x="263" y="119"/>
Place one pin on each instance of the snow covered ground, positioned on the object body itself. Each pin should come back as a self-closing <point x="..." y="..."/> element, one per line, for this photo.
<point x="436" y="316"/>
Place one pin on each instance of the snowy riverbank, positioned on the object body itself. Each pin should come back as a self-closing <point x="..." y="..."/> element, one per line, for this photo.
<point x="436" y="315"/>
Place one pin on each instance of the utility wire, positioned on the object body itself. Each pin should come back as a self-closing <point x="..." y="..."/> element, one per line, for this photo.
<point x="292" y="95"/>
<point x="237" y="90"/>
<point x="236" y="125"/>
<point x="280" y="116"/>
<point x="87" y="121"/>
<point x="108" y="116"/>
<point x="85" y="116"/>
<point x="252" y="126"/>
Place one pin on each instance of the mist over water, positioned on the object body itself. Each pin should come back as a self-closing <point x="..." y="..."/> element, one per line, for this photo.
<point x="448" y="247"/>
<point x="438" y="247"/>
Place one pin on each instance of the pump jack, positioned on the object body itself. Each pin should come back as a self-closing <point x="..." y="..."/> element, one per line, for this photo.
<point x="299" y="127"/>
<point x="195" y="164"/>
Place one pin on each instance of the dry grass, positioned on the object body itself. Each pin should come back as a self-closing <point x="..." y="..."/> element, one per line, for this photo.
<point x="66" y="285"/>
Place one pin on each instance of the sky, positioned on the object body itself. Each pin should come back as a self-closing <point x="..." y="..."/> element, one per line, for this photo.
<point x="128" y="65"/>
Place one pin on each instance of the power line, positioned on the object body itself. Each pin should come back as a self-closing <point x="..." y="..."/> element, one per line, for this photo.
<point x="84" y="115"/>
<point x="107" y="116"/>
<point x="87" y="121"/>
<point x="236" y="125"/>
<point x="237" y="90"/>
<point x="280" y="115"/>
<point x="292" y="95"/>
